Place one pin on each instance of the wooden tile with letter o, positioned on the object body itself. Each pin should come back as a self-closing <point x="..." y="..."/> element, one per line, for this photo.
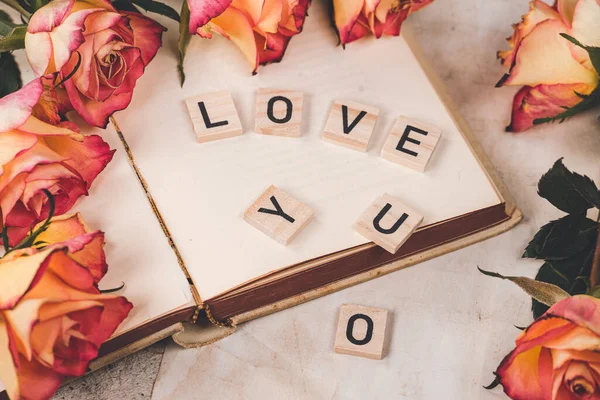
<point x="388" y="222"/>
<point x="411" y="143"/>
<point x="350" y="125"/>
<point x="214" y="116"/>
<point x="279" y="112"/>
<point x="278" y="215"/>
<point x="361" y="331"/>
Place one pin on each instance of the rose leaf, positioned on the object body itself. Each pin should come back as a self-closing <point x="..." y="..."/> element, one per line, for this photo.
<point x="158" y="8"/>
<point x="11" y="75"/>
<point x="184" y="39"/>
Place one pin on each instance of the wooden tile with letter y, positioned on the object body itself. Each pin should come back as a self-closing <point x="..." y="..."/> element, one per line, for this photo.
<point x="214" y="116"/>
<point x="388" y="222"/>
<point x="278" y="215"/>
<point x="350" y="125"/>
<point x="411" y="143"/>
<point x="361" y="331"/>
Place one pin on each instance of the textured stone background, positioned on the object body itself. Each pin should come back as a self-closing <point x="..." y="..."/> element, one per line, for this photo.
<point x="452" y="326"/>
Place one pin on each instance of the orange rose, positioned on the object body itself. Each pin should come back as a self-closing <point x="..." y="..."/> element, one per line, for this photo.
<point x="353" y="19"/>
<point x="262" y="29"/>
<point x="108" y="50"/>
<point x="554" y="72"/>
<point x="41" y="152"/>
<point x="53" y="318"/>
<point x="558" y="356"/>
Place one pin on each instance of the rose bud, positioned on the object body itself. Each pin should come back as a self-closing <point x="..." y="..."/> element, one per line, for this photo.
<point x="98" y="52"/>
<point x="261" y="29"/>
<point x="353" y="19"/>
<point x="555" y="73"/>
<point x="39" y="152"/>
<point x="53" y="318"/>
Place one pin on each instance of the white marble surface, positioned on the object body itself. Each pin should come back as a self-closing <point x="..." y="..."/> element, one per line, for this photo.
<point x="450" y="325"/>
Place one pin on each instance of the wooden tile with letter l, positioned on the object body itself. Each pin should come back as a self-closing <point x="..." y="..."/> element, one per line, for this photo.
<point x="278" y="215"/>
<point x="279" y="112"/>
<point x="214" y="116"/>
<point x="411" y="143"/>
<point x="388" y="222"/>
<point x="361" y="331"/>
<point x="350" y="125"/>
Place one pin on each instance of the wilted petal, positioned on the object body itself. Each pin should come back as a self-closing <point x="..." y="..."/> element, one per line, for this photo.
<point x="532" y="66"/>
<point x="8" y="361"/>
<point x="37" y="381"/>
<point x="202" y="11"/>
<point x="147" y="35"/>
<point x="12" y="143"/>
<point x="270" y="17"/>
<point x="566" y="8"/>
<point x="238" y="28"/>
<point x="16" y="107"/>
<point x="21" y="320"/>
<point x="581" y="310"/>
<point x="346" y="12"/>
<point x="518" y="374"/>
<point x="543" y="101"/>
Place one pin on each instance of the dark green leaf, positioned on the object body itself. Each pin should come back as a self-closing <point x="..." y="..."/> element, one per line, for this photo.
<point x="37" y="4"/>
<point x="594" y="52"/>
<point x="125" y="5"/>
<point x="6" y="24"/>
<point x="568" y="191"/>
<point x="184" y="39"/>
<point x="563" y="238"/>
<point x="15" y="39"/>
<point x="158" y="8"/>
<point x="11" y="75"/>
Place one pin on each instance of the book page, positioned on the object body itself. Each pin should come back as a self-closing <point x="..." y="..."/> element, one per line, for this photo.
<point x="203" y="189"/>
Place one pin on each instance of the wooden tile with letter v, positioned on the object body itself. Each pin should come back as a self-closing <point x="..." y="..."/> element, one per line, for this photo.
<point x="388" y="222"/>
<point x="350" y="125"/>
<point x="279" y="112"/>
<point x="361" y="331"/>
<point x="278" y="215"/>
<point x="214" y="116"/>
<point x="411" y="143"/>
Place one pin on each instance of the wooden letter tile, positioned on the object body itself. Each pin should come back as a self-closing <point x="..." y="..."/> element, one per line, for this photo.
<point x="278" y="215"/>
<point x="361" y="331"/>
<point x="411" y="143"/>
<point x="388" y="222"/>
<point x="214" y="116"/>
<point x="350" y="125"/>
<point x="279" y="112"/>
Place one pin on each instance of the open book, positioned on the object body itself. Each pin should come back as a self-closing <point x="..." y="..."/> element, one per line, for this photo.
<point x="172" y="209"/>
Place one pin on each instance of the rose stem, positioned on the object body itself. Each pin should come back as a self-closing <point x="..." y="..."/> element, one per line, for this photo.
<point x="17" y="7"/>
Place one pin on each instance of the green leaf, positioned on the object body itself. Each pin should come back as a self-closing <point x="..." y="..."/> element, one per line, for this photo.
<point x="545" y="293"/>
<point x="15" y="40"/>
<point x="184" y="39"/>
<point x="590" y="101"/>
<point x="125" y="5"/>
<point x="6" y="24"/>
<point x="37" y="4"/>
<point x="563" y="238"/>
<point x="11" y="75"/>
<point x="568" y="191"/>
<point x="158" y="8"/>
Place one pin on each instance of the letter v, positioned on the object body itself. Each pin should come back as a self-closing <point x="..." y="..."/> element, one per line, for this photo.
<point x="276" y="211"/>
<point x="348" y="128"/>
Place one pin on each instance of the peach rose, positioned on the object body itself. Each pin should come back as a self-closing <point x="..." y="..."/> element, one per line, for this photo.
<point x="554" y="72"/>
<point x="261" y="29"/>
<point x="558" y="356"/>
<point x="108" y="50"/>
<point x="53" y="318"/>
<point x="353" y="19"/>
<point x="39" y="152"/>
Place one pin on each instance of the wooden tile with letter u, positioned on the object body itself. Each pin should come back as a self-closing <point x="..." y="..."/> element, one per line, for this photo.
<point x="214" y="116"/>
<point x="361" y="331"/>
<point x="278" y="215"/>
<point x="388" y="222"/>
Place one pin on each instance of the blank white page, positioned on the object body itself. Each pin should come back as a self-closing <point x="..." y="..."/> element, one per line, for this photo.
<point x="202" y="190"/>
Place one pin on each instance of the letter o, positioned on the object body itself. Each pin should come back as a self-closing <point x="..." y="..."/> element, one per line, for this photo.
<point x="288" y="110"/>
<point x="350" y="329"/>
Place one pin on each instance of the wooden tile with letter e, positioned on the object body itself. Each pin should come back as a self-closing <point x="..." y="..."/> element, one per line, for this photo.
<point x="361" y="331"/>
<point x="279" y="112"/>
<point x="214" y="116"/>
<point x="350" y="125"/>
<point x="278" y="215"/>
<point x="411" y="143"/>
<point x="388" y="222"/>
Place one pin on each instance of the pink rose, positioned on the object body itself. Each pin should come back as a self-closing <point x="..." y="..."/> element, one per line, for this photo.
<point x="558" y="356"/>
<point x="353" y="19"/>
<point x="554" y="72"/>
<point x="39" y="152"/>
<point x="112" y="49"/>
<point x="261" y="29"/>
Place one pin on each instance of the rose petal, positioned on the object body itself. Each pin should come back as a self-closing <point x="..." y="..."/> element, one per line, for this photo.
<point x="581" y="310"/>
<point x="518" y="374"/>
<point x="346" y="12"/>
<point x="270" y="17"/>
<point x="543" y="101"/>
<point x="238" y="29"/>
<point x="202" y="11"/>
<point x="147" y="35"/>
<point x="21" y="320"/>
<point x="16" y="107"/>
<point x="566" y="8"/>
<point x="544" y="43"/>
<point x="8" y="361"/>
<point x="37" y="381"/>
